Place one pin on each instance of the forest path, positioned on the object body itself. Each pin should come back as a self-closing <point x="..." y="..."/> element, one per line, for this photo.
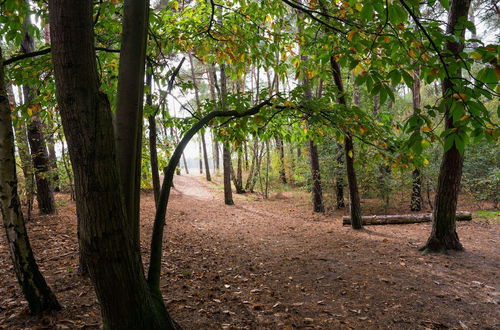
<point x="275" y="264"/>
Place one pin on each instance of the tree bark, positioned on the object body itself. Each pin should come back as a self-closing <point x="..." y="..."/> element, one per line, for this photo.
<point x="444" y="236"/>
<point x="52" y="156"/>
<point x="129" y="108"/>
<point x="339" y="180"/>
<point x="36" y="291"/>
<point x="106" y="240"/>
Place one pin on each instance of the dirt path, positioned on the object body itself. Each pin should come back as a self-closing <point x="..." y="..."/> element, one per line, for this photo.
<point x="275" y="265"/>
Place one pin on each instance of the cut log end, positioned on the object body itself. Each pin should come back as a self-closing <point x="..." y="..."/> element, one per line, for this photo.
<point x="403" y="218"/>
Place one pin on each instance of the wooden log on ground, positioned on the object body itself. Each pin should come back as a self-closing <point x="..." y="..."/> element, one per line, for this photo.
<point x="403" y="218"/>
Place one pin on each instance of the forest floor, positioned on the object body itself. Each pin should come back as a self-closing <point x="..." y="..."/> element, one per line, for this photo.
<point x="273" y="264"/>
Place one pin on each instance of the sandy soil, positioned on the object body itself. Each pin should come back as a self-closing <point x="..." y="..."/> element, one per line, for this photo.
<point x="273" y="264"/>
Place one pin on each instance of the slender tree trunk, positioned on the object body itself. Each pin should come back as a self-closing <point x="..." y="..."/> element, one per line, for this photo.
<point x="245" y="148"/>
<point x="339" y="178"/>
<point x="355" y="201"/>
<point x="239" y="171"/>
<point x="416" y="191"/>
<point x="22" y="144"/>
<point x="317" y="194"/>
<point x="39" y="154"/>
<point x="106" y="240"/>
<point x="52" y="156"/>
<point x="444" y="236"/>
<point x="226" y="154"/>
<point x="281" y="150"/>
<point x="36" y="291"/>
<point x="153" y="155"/>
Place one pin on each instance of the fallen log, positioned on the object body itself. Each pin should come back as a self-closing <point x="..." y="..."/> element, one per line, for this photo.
<point x="403" y="218"/>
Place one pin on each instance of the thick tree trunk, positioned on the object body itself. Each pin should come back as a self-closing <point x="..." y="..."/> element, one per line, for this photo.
<point x="129" y="108"/>
<point x="403" y="218"/>
<point x="36" y="291"/>
<point x="39" y="154"/>
<point x="444" y="236"/>
<point x="106" y="240"/>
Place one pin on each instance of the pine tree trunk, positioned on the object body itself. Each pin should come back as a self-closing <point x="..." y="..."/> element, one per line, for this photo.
<point x="36" y="291"/>
<point x="106" y="240"/>
<point x="444" y="236"/>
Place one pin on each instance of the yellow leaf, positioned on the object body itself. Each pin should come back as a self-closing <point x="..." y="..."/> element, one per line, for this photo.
<point x="288" y="104"/>
<point x="175" y="4"/>
<point x="464" y="117"/>
<point x="363" y="130"/>
<point x="412" y="53"/>
<point x="358" y="69"/>
<point x="476" y="55"/>
<point x="460" y="96"/>
<point x="351" y="155"/>
<point x="426" y="129"/>
<point x="351" y="35"/>
<point x="426" y="162"/>
<point x="358" y="6"/>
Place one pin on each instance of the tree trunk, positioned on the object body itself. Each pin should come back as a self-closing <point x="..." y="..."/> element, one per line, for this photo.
<point x="339" y="180"/>
<point x="129" y="108"/>
<point x="317" y="194"/>
<point x="112" y="256"/>
<point x="22" y="144"/>
<point x="444" y="236"/>
<point x="36" y="291"/>
<point x="281" y="150"/>
<point x="403" y="218"/>
<point x="355" y="202"/>
<point x="52" y="156"/>
<point x="39" y="154"/>
<point x="153" y="155"/>
<point x="226" y="154"/>
<point x="416" y="191"/>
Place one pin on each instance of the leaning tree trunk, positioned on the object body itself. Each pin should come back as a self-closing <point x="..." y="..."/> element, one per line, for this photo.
<point x="39" y="154"/>
<point x="106" y="240"/>
<point x="444" y="236"/>
<point x="355" y="201"/>
<point x="36" y="291"/>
